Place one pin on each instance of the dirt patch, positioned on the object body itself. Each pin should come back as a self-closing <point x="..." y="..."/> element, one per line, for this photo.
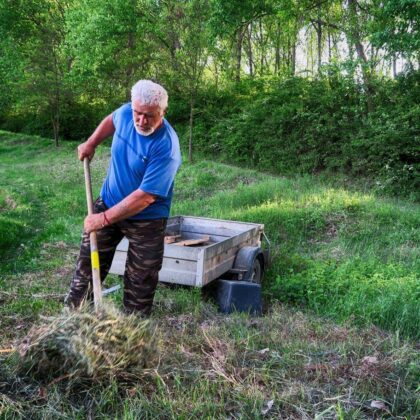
<point x="58" y="245"/>
<point x="11" y="204"/>
<point x="8" y="204"/>
<point x="333" y="224"/>
<point x="245" y="180"/>
<point x="64" y="272"/>
<point x="13" y="328"/>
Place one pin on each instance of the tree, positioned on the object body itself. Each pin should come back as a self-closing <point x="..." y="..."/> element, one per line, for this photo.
<point x="396" y="26"/>
<point x="187" y="43"/>
<point x="356" y="34"/>
<point x="111" y="43"/>
<point x="232" y="19"/>
<point x="38" y="32"/>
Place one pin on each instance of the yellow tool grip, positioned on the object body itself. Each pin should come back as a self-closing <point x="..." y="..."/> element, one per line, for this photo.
<point x="95" y="260"/>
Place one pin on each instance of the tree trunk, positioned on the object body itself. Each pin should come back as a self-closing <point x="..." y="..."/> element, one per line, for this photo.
<point x="335" y="45"/>
<point x="261" y="48"/>
<point x="250" y="55"/>
<point x="173" y="38"/>
<point x="239" y="41"/>
<point x="56" y="128"/>
<point x="319" y="39"/>
<point x="131" y="44"/>
<point x="355" y="35"/>
<point x="372" y="59"/>
<point x="55" y="111"/>
<point x="293" y="59"/>
<point x="191" y="128"/>
<point x="56" y="99"/>
<point x="216" y="76"/>
<point x="329" y="47"/>
<point x="277" y="60"/>
<point x="130" y="67"/>
<point x="394" y="66"/>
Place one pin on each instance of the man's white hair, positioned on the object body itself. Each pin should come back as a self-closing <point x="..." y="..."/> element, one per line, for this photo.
<point x="150" y="93"/>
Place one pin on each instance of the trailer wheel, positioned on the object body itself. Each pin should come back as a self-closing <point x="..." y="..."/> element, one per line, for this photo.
<point x="250" y="259"/>
<point x="256" y="272"/>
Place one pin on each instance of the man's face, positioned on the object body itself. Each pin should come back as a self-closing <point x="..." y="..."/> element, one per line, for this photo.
<point x="147" y="118"/>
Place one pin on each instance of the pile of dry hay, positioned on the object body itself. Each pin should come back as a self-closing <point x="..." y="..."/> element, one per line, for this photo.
<point x="84" y="346"/>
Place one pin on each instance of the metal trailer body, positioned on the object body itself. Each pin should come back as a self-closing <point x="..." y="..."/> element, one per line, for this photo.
<point x="199" y="265"/>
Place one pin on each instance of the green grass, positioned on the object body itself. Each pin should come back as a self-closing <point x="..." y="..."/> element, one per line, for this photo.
<point x="345" y="262"/>
<point x="343" y="254"/>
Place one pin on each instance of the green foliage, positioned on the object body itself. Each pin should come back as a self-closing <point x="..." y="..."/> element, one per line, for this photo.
<point x="227" y="67"/>
<point x="298" y="125"/>
<point x="396" y="26"/>
<point x="109" y="45"/>
<point x="387" y="145"/>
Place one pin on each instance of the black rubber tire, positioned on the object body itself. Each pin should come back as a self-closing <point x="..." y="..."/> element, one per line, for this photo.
<point x="255" y="276"/>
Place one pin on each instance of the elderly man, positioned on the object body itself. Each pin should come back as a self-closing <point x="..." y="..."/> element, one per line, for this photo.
<point x="135" y="198"/>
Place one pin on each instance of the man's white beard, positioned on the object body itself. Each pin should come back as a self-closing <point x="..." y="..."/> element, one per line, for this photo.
<point x="144" y="133"/>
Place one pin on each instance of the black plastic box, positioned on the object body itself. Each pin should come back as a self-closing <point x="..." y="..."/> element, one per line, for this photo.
<point x="240" y="296"/>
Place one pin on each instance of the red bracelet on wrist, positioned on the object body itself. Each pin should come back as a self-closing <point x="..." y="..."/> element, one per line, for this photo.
<point x="106" y="221"/>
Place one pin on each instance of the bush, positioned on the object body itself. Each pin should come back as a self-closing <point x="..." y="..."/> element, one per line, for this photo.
<point x="301" y="125"/>
<point x="286" y="126"/>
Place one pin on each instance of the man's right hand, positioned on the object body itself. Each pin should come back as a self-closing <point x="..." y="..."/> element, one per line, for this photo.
<point x="85" y="150"/>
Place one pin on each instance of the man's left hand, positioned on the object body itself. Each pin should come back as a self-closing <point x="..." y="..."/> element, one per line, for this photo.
<point x="93" y="222"/>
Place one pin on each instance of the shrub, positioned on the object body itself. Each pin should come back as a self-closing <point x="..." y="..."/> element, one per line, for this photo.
<point x="301" y="125"/>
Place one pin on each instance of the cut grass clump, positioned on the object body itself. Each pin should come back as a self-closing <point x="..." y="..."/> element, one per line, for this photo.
<point x="82" y="346"/>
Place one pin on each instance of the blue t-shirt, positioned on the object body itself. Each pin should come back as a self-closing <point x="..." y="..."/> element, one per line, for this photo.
<point x="141" y="162"/>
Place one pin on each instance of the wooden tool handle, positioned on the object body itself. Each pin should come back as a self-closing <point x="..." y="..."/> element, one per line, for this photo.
<point x="94" y="254"/>
<point x="88" y="186"/>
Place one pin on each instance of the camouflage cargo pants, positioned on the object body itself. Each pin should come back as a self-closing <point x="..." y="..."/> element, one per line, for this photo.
<point x="144" y="260"/>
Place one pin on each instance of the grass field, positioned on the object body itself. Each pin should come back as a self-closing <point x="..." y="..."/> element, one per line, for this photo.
<point x="342" y="297"/>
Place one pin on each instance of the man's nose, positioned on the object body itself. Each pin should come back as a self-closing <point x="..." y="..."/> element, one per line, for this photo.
<point x="142" y="120"/>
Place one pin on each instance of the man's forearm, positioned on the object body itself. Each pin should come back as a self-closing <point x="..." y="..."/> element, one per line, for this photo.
<point x="104" y="130"/>
<point x="131" y="205"/>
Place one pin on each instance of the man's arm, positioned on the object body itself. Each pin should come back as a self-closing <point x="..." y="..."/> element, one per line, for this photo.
<point x="132" y="204"/>
<point x="105" y="129"/>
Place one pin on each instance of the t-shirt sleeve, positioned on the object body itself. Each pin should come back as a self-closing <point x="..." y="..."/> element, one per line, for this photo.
<point x="160" y="174"/>
<point x="118" y="114"/>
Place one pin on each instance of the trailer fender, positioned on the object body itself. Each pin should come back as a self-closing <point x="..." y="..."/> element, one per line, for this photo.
<point x="251" y="259"/>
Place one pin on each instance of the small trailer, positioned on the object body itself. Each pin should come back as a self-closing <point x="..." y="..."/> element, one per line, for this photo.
<point x="199" y="250"/>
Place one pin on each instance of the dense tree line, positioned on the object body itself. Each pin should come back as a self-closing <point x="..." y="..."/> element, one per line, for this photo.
<point x="340" y="69"/>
